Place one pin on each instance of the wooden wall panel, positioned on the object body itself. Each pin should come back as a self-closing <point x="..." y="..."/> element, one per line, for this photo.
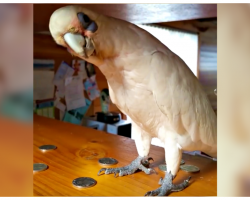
<point x="208" y="63"/>
<point x="135" y="13"/>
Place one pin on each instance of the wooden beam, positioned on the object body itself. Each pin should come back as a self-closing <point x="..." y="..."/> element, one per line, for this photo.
<point x="192" y="25"/>
<point x="135" y="13"/>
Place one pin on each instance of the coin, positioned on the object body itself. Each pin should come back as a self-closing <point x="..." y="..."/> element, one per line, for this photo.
<point x="84" y="182"/>
<point x="163" y="167"/>
<point x="38" y="167"/>
<point x="189" y="168"/>
<point x="107" y="161"/>
<point x="47" y="147"/>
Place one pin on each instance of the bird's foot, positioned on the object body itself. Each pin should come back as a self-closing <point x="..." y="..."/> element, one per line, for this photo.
<point x="140" y="163"/>
<point x="167" y="186"/>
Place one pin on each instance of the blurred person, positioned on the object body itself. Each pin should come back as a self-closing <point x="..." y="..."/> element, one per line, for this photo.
<point x="16" y="99"/>
<point x="16" y="61"/>
<point x="234" y="100"/>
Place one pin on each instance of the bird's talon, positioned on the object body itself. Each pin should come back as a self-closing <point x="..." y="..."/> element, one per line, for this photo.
<point x="160" y="181"/>
<point x="101" y="170"/>
<point x="188" y="179"/>
<point x="148" y="193"/>
<point x="152" y="170"/>
<point x="150" y="158"/>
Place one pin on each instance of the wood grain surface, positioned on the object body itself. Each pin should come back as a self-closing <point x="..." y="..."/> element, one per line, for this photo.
<point x="77" y="154"/>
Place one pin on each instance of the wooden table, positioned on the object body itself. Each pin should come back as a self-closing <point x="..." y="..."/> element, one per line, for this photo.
<point x="77" y="154"/>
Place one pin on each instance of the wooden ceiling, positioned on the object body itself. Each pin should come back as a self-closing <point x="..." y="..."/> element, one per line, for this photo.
<point x="135" y="13"/>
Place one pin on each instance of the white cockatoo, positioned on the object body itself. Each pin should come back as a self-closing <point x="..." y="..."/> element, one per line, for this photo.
<point x="147" y="82"/>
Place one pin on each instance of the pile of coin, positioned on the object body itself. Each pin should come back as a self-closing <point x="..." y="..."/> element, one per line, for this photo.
<point x="107" y="161"/>
<point x="38" y="167"/>
<point x="47" y="147"/>
<point x="163" y="167"/>
<point x="84" y="182"/>
<point x="81" y="182"/>
<point x="190" y="168"/>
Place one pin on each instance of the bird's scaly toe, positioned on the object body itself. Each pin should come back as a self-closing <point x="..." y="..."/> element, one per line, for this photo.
<point x="129" y="169"/>
<point x="167" y="186"/>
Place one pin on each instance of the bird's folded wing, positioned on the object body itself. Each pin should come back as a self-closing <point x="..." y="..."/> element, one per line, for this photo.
<point x="180" y="97"/>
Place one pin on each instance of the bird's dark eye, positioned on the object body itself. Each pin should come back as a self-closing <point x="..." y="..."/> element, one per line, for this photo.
<point x="84" y="19"/>
<point x="87" y="23"/>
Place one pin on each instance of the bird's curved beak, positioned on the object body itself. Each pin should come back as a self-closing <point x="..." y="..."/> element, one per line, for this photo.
<point x="81" y="45"/>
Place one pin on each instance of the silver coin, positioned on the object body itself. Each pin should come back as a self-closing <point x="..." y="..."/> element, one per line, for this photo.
<point x="47" y="147"/>
<point x="107" y="161"/>
<point x="38" y="167"/>
<point x="84" y="182"/>
<point x="189" y="168"/>
<point x="163" y="167"/>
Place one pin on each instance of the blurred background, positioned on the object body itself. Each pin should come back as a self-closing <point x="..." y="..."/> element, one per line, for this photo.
<point x="233" y="99"/>
<point x="16" y="99"/>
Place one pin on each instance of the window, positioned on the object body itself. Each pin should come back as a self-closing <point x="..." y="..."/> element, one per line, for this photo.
<point x="184" y="44"/>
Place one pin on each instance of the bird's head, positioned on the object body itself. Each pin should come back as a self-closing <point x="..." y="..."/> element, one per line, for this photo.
<point x="88" y="35"/>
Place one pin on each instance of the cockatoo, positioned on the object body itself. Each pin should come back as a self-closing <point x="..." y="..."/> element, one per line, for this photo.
<point x="147" y="82"/>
